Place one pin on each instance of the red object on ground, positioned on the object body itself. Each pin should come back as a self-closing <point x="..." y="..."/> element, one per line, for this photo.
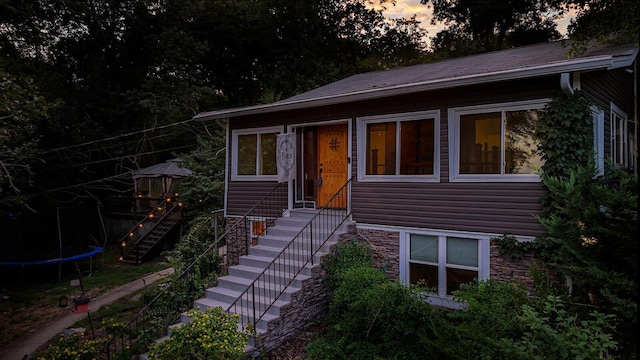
<point x="81" y="305"/>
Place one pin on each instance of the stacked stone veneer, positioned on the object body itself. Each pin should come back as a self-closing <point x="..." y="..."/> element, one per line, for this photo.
<point x="385" y="249"/>
<point x="307" y="305"/>
<point x="312" y="301"/>
<point x="385" y="246"/>
<point x="236" y="240"/>
<point x="505" y="268"/>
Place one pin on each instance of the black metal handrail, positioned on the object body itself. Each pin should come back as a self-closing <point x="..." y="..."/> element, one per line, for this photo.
<point x="260" y="296"/>
<point x="128" y="337"/>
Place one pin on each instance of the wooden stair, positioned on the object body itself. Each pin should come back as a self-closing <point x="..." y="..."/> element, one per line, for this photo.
<point x="150" y="232"/>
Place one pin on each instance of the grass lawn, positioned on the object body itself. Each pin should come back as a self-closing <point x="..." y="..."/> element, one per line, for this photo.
<point x="34" y="294"/>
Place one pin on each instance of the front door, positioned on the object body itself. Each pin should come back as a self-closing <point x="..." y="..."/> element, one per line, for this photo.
<point x="332" y="164"/>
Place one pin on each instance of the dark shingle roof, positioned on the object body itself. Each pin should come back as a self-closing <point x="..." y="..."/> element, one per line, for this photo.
<point x="516" y="63"/>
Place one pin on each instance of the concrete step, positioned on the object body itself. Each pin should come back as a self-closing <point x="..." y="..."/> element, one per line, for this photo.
<point x="262" y="292"/>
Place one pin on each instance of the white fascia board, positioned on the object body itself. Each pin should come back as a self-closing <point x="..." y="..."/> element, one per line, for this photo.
<point x="594" y="63"/>
<point x="623" y="61"/>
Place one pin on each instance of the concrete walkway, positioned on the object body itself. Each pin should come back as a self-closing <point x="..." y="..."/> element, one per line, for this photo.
<point x="24" y="347"/>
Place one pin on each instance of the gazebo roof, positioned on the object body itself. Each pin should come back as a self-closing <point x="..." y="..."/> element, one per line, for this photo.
<point x="170" y="168"/>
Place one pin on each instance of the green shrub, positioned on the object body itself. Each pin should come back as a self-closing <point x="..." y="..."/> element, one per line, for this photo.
<point x="561" y="334"/>
<point x="347" y="255"/>
<point x="74" y="347"/>
<point x="212" y="334"/>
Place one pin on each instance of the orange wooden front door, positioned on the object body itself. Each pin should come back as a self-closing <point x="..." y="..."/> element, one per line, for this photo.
<point x="332" y="164"/>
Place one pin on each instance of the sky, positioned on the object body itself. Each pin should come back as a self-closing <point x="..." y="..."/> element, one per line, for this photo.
<point x="408" y="8"/>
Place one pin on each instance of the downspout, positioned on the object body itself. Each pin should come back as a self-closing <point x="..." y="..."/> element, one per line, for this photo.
<point x="566" y="84"/>
<point x="635" y="115"/>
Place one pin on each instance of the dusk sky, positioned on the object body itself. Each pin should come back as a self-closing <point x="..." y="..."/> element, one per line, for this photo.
<point x="407" y="8"/>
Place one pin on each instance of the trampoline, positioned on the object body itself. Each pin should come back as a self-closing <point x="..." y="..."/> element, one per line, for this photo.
<point x="94" y="250"/>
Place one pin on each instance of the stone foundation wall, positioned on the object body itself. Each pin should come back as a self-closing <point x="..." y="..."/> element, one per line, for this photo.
<point x="385" y="249"/>
<point x="505" y="268"/>
<point x="307" y="305"/>
<point x="236" y="242"/>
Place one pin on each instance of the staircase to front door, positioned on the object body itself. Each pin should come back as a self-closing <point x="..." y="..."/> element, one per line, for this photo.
<point x="275" y="269"/>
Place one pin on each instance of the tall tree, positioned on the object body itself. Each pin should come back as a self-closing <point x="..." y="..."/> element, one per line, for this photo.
<point x="602" y="20"/>
<point x="479" y="26"/>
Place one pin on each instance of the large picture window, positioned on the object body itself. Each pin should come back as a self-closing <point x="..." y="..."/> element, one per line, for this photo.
<point x="443" y="262"/>
<point x="399" y="146"/>
<point x="495" y="142"/>
<point x="254" y="154"/>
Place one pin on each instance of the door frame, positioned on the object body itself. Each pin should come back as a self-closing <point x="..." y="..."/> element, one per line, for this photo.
<point x="349" y="123"/>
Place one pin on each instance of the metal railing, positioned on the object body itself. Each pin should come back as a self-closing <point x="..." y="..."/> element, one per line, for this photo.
<point x="269" y="286"/>
<point x="130" y="242"/>
<point x="177" y="295"/>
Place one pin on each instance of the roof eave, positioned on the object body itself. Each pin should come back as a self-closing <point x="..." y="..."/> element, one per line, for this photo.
<point x="594" y="63"/>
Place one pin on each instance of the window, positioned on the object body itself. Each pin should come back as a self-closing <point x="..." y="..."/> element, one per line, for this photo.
<point x="399" y="146"/>
<point x="622" y="139"/>
<point x="254" y="154"/>
<point x="495" y="143"/>
<point x="444" y="262"/>
<point x="598" y="138"/>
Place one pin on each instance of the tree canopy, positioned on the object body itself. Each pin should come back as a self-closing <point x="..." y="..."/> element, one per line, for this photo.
<point x="95" y="89"/>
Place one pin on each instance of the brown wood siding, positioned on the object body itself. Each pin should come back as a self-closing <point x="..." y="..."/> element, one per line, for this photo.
<point x="602" y="88"/>
<point x="243" y="195"/>
<point x="479" y="207"/>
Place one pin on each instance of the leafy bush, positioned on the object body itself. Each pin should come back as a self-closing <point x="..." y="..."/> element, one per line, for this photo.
<point x="591" y="236"/>
<point x="74" y="347"/>
<point x="371" y="317"/>
<point x="212" y="334"/>
<point x="554" y="331"/>
<point x="347" y="255"/>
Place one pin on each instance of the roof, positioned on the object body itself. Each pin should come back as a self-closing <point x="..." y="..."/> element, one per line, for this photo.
<point x="510" y="64"/>
<point x="170" y="168"/>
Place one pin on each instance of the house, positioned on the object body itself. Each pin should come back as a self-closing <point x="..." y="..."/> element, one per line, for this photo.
<point x="438" y="158"/>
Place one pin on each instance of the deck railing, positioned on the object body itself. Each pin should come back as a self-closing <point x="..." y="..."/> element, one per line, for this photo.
<point x="129" y="243"/>
<point x="268" y="287"/>
<point x="178" y="294"/>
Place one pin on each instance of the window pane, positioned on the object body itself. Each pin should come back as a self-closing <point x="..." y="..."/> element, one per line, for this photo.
<point x="247" y="154"/>
<point x="381" y="149"/>
<point x="423" y="248"/>
<point x="521" y="150"/>
<point x="462" y="251"/>
<point x="456" y="277"/>
<point x="480" y="143"/>
<point x="416" y="154"/>
<point x="426" y="275"/>
<point x="268" y="154"/>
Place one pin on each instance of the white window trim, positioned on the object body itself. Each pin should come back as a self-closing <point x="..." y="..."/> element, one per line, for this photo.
<point x="234" y="164"/>
<point x="361" y="126"/>
<point x="454" y="140"/>
<point x="441" y="298"/>
<point x="598" y="139"/>
<point x="617" y="112"/>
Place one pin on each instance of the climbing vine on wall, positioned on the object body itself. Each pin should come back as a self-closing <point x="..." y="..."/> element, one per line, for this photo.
<point x="565" y="134"/>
